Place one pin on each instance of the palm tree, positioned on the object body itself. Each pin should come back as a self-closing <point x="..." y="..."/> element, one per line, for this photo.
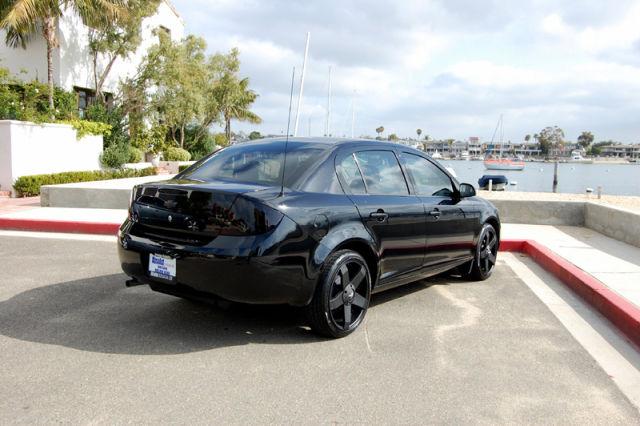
<point x="380" y="130"/>
<point x="234" y="100"/>
<point x="419" y="132"/>
<point x="21" y="19"/>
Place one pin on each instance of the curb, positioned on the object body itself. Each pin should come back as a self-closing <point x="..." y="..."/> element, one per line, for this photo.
<point x="619" y="311"/>
<point x="44" y="225"/>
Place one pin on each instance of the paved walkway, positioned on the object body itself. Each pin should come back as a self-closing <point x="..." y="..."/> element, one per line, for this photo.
<point x="614" y="263"/>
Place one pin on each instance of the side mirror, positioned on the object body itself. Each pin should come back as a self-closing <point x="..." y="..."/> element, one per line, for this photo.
<point x="466" y="190"/>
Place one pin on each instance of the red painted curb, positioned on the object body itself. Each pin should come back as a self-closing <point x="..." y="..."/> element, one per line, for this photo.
<point x="59" y="226"/>
<point x="622" y="313"/>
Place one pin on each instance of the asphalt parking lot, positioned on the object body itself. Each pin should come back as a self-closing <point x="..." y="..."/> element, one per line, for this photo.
<point x="76" y="346"/>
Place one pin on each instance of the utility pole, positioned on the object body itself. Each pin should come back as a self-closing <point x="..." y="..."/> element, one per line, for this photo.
<point x="304" y="66"/>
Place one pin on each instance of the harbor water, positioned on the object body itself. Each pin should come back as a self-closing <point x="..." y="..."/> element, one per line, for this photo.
<point x="615" y="179"/>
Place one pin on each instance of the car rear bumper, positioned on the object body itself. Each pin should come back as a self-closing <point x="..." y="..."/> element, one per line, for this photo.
<point x="242" y="269"/>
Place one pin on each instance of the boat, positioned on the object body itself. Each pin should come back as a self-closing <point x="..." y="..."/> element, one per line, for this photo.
<point x="498" y="182"/>
<point x="576" y="157"/>
<point x="436" y="155"/>
<point x="502" y="163"/>
<point x="464" y="155"/>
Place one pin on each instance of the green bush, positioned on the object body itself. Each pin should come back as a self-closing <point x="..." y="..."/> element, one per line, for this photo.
<point x="135" y="155"/>
<point x="114" y="156"/>
<point x="84" y="127"/>
<point x="27" y="186"/>
<point x="176" y="154"/>
<point x="29" y="101"/>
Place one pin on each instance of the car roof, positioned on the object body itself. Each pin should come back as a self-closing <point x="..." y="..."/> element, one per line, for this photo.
<point x="335" y="142"/>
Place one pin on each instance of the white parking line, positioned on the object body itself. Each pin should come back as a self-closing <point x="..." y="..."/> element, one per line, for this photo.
<point x="59" y="236"/>
<point x="617" y="357"/>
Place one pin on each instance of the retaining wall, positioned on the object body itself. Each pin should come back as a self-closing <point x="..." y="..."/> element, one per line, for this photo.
<point x="32" y="149"/>
<point x="617" y="223"/>
<point x="537" y="212"/>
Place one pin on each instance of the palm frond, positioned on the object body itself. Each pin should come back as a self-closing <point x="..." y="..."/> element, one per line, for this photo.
<point x="15" y="39"/>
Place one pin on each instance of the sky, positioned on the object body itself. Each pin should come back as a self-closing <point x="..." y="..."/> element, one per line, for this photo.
<point x="448" y="67"/>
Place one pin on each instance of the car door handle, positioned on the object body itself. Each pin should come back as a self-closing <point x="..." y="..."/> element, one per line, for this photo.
<point x="379" y="215"/>
<point x="435" y="213"/>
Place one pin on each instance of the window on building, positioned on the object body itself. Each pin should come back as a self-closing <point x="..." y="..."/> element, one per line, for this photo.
<point x="164" y="30"/>
<point x="86" y="97"/>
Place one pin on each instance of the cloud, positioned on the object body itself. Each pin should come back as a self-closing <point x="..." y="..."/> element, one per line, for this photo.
<point x="450" y="67"/>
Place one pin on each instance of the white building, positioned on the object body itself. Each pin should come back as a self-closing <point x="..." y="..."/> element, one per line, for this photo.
<point x="72" y="61"/>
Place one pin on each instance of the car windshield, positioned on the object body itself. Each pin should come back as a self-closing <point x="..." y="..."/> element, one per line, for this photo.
<point x="259" y="163"/>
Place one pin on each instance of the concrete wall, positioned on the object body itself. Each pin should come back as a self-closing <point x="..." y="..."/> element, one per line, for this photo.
<point x="614" y="222"/>
<point x="541" y="212"/>
<point x="30" y="149"/>
<point x="72" y="62"/>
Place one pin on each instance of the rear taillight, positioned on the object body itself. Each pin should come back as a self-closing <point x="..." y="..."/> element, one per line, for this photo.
<point x="247" y="217"/>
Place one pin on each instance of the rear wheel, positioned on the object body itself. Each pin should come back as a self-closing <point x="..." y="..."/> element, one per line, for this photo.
<point x="481" y="267"/>
<point x="342" y="295"/>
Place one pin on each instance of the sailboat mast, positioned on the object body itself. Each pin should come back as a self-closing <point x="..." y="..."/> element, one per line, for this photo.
<point x="304" y="66"/>
<point x="327" y="126"/>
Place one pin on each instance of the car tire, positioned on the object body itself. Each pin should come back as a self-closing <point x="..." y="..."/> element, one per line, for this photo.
<point x="342" y="295"/>
<point x="484" y="261"/>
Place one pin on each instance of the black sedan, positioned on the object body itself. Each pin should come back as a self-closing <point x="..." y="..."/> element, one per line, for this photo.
<point x="323" y="227"/>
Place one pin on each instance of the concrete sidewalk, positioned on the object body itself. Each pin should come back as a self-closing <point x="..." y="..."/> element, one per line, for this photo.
<point x="613" y="263"/>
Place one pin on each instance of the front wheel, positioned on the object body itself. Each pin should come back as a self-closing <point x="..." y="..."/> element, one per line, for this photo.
<point x="342" y="295"/>
<point x="484" y="261"/>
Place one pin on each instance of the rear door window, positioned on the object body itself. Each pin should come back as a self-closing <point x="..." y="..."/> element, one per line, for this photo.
<point x="382" y="173"/>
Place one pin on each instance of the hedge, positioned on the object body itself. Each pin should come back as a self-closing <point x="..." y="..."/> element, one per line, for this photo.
<point x="29" y="186"/>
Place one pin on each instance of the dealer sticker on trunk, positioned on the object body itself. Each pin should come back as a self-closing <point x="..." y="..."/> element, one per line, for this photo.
<point x="162" y="267"/>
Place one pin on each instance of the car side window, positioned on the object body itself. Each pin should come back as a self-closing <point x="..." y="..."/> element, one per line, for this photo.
<point x="427" y="177"/>
<point x="350" y="174"/>
<point x="382" y="173"/>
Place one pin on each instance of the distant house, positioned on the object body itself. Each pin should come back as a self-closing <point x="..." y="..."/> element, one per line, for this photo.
<point x="72" y="61"/>
<point x="621" y="150"/>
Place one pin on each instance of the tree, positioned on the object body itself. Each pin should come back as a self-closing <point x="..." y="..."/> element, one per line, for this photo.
<point x="21" y="19"/>
<point x="170" y="87"/>
<point x="393" y="137"/>
<point x="380" y="130"/>
<point x="550" y="138"/>
<point x="119" y="39"/>
<point x="232" y="93"/>
<point x="585" y="139"/>
<point x="419" y="132"/>
<point x="527" y="138"/>
<point x="255" y="135"/>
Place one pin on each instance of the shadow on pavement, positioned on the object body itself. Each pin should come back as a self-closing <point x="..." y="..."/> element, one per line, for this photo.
<point x="101" y="315"/>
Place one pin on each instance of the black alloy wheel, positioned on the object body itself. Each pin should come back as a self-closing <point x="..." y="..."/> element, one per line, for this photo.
<point x="486" y="253"/>
<point x="342" y="295"/>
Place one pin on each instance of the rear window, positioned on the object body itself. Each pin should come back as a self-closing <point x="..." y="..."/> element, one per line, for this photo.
<point x="259" y="163"/>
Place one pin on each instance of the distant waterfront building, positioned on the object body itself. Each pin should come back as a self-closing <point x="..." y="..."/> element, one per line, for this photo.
<point x="621" y="151"/>
<point x="72" y="61"/>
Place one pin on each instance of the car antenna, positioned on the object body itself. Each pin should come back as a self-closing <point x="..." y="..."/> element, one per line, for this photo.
<point x="286" y="141"/>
